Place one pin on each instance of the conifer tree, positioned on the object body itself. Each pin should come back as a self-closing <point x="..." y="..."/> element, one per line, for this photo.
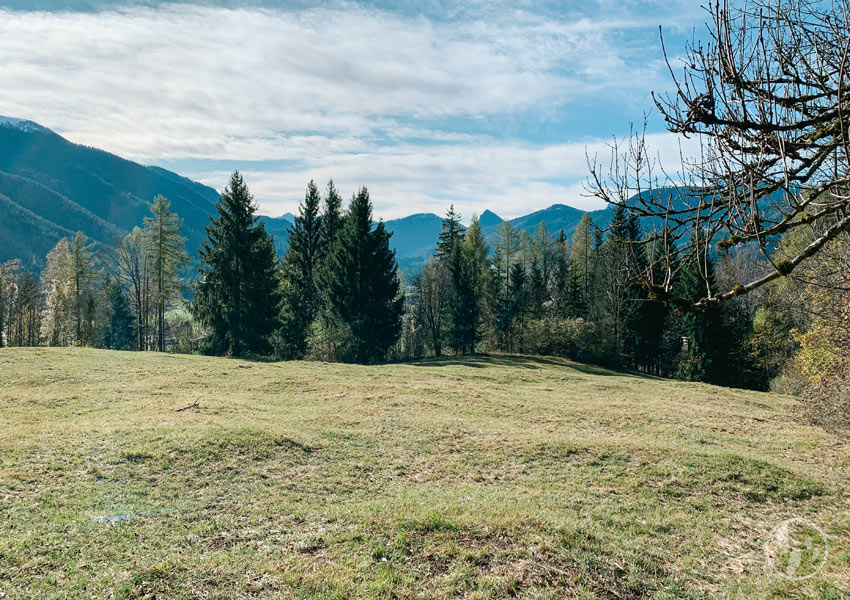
<point x="450" y="235"/>
<point x="300" y="275"/>
<point x="704" y="328"/>
<point x="583" y="262"/>
<point x="361" y="285"/>
<point x="480" y="281"/>
<point x="164" y="246"/>
<point x="474" y="288"/>
<point x="332" y="216"/>
<point x="238" y="295"/>
<point x="115" y="319"/>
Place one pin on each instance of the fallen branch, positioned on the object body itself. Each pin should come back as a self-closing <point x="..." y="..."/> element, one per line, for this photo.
<point x="193" y="405"/>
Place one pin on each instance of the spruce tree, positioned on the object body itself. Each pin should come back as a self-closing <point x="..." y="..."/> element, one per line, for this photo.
<point x="332" y="217"/>
<point x="300" y="274"/>
<point x="450" y="235"/>
<point x="361" y="285"/>
<point x="238" y="295"/>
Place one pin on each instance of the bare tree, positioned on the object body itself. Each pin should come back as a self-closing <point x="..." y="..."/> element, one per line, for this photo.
<point x="434" y="290"/>
<point x="767" y="97"/>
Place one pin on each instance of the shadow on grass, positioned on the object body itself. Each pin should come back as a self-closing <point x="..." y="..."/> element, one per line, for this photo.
<point x="481" y="361"/>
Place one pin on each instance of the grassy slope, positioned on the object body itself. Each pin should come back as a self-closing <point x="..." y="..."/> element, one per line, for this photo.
<point x="476" y="478"/>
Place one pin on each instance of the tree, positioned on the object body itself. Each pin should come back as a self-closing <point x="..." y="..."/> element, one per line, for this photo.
<point x="332" y="216"/>
<point x="301" y="267"/>
<point x="8" y="291"/>
<point x="703" y="360"/>
<point x="164" y="246"/>
<point x="238" y="295"/>
<point x="83" y="274"/>
<point x="433" y="289"/>
<point x="765" y="95"/>
<point x="450" y="234"/>
<point x="583" y="263"/>
<point x="57" y="285"/>
<point x="132" y="266"/>
<point x="114" y="328"/>
<point x="361" y="285"/>
<point x="27" y="311"/>
<point x="471" y="283"/>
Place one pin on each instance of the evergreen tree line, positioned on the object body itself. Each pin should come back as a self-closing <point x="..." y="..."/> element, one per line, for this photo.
<point x="336" y="294"/>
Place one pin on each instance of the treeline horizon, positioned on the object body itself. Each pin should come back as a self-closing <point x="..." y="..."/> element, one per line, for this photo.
<point x="337" y="295"/>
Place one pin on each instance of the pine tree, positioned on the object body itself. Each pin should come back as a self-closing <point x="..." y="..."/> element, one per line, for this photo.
<point x="620" y="292"/>
<point x="164" y="246"/>
<point x="300" y="273"/>
<point x="238" y="295"/>
<point x="361" y="285"/>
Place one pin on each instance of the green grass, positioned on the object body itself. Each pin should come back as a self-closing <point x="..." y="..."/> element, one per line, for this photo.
<point x="499" y="477"/>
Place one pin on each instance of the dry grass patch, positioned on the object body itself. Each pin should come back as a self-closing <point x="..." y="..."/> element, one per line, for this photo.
<point x="487" y="477"/>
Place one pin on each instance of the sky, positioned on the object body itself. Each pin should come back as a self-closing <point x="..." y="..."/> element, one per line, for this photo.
<point x="484" y="105"/>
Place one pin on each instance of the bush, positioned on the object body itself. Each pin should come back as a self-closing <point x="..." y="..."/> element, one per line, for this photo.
<point x="329" y="341"/>
<point x="576" y="339"/>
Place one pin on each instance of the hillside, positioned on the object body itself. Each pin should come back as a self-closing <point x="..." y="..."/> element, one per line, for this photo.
<point x="50" y="187"/>
<point x="163" y="476"/>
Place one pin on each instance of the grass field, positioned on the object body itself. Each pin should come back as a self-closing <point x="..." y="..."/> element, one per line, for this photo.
<point x="492" y="477"/>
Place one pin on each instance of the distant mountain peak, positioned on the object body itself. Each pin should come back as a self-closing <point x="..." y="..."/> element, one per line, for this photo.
<point x="488" y="217"/>
<point x="21" y="124"/>
<point x="288" y="217"/>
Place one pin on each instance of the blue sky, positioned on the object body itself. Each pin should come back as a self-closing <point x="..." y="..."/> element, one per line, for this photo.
<point x="481" y="104"/>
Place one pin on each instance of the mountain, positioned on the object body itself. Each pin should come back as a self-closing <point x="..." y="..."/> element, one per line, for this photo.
<point x="50" y="187"/>
<point x="278" y="227"/>
<point x="414" y="239"/>
<point x="489" y="219"/>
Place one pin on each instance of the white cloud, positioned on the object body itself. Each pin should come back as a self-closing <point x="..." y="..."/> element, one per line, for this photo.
<point x="342" y="92"/>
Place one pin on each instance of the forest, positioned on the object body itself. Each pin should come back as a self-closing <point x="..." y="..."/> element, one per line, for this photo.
<point x="337" y="295"/>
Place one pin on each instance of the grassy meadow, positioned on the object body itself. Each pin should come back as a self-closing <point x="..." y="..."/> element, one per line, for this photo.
<point x="485" y="477"/>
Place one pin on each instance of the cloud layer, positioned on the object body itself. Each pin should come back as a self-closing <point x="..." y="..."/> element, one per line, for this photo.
<point x="484" y="109"/>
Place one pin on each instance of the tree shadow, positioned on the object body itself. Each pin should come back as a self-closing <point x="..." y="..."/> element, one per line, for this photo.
<point x="480" y="361"/>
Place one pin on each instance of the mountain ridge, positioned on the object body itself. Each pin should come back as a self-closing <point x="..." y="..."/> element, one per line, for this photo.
<point x="51" y="187"/>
